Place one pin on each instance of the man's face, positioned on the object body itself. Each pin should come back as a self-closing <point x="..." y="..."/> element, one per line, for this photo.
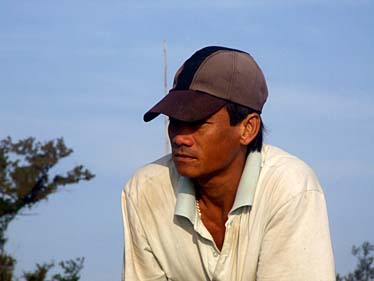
<point x="206" y="148"/>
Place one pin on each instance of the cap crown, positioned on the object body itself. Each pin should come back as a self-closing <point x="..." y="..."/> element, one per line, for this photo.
<point x="225" y="73"/>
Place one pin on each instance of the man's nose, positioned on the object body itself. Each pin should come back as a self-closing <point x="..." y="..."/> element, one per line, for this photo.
<point x="180" y="135"/>
<point x="182" y="140"/>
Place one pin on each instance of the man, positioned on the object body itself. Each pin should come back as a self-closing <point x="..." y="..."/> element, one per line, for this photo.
<point x="223" y="206"/>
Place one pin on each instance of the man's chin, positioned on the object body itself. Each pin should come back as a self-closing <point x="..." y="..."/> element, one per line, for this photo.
<point x="188" y="172"/>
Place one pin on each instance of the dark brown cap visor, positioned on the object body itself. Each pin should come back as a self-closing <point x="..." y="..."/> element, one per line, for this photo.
<point x="186" y="105"/>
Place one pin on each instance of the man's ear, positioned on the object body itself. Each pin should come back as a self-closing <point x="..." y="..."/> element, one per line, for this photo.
<point x="249" y="128"/>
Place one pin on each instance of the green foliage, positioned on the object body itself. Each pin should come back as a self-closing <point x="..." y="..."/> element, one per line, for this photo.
<point x="26" y="179"/>
<point x="7" y="264"/>
<point x="40" y="273"/>
<point x="70" y="269"/>
<point x="365" y="264"/>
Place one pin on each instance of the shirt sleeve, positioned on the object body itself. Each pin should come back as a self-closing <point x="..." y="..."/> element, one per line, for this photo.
<point x="296" y="244"/>
<point x="139" y="263"/>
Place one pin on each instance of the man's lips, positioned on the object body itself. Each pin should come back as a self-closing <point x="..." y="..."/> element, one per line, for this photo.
<point x="183" y="156"/>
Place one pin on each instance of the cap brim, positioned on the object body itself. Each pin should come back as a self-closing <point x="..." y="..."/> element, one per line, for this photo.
<point x="186" y="105"/>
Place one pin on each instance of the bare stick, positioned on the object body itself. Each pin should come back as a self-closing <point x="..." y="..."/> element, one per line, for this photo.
<point x="166" y="92"/>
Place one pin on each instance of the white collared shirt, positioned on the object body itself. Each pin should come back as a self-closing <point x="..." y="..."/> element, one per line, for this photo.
<point x="277" y="228"/>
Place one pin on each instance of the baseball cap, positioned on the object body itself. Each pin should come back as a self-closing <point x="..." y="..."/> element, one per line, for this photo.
<point x="210" y="78"/>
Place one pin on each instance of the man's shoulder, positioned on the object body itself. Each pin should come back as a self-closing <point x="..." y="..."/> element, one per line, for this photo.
<point x="154" y="169"/>
<point x="276" y="158"/>
<point x="157" y="174"/>
<point x="285" y="169"/>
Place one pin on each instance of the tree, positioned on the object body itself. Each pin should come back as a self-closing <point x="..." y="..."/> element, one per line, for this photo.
<point x="365" y="264"/>
<point x="26" y="178"/>
<point x="70" y="269"/>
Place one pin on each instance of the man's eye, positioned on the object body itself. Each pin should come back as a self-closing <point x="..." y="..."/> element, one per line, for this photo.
<point x="198" y="123"/>
<point x="173" y="121"/>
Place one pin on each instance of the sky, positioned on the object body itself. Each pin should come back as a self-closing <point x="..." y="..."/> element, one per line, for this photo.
<point x="87" y="71"/>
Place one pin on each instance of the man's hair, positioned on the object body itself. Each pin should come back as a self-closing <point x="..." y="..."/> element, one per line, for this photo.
<point x="237" y="114"/>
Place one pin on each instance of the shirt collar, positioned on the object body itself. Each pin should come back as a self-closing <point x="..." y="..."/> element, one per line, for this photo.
<point x="248" y="181"/>
<point x="186" y="199"/>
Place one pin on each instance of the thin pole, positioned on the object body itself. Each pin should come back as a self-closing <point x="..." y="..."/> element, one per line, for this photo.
<point x="166" y="92"/>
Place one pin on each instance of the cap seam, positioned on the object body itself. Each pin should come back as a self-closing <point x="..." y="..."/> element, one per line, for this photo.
<point x="235" y="57"/>
<point x="257" y="79"/>
<point x="203" y="63"/>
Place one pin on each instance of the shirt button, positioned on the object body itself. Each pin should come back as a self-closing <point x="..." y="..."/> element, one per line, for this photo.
<point x="215" y="254"/>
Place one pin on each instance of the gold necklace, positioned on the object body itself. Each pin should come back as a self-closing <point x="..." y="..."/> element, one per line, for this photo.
<point x="198" y="208"/>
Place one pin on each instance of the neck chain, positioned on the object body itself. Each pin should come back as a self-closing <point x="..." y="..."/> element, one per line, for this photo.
<point x="198" y="208"/>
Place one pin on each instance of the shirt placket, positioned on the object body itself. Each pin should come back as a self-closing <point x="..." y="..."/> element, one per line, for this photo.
<point x="209" y="252"/>
<point x="221" y="262"/>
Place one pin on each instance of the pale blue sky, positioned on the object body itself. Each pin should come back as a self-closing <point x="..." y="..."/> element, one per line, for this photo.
<point x="88" y="70"/>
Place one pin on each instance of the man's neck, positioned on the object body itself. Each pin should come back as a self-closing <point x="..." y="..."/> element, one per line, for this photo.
<point x="219" y="191"/>
<point x="216" y="196"/>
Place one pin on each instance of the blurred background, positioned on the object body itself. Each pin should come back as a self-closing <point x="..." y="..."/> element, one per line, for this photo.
<point x="88" y="70"/>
